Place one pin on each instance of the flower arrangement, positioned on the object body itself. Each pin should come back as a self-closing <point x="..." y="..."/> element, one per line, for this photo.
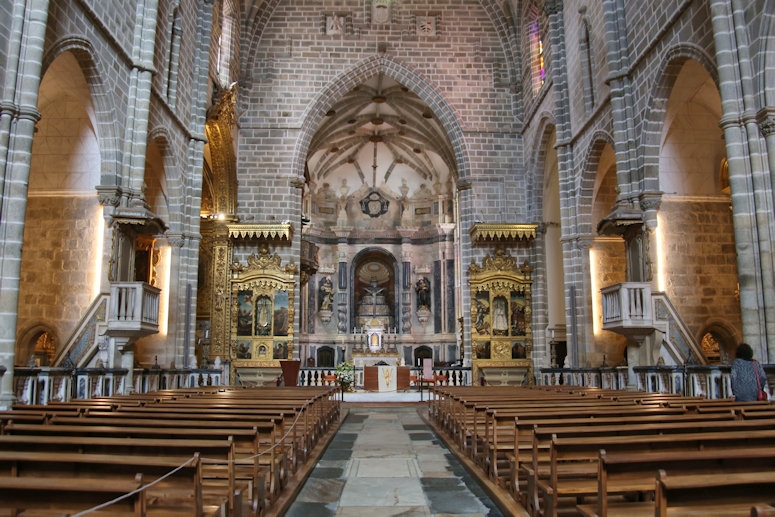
<point x="345" y="374"/>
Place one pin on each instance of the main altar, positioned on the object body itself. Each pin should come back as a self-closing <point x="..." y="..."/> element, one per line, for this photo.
<point x="378" y="366"/>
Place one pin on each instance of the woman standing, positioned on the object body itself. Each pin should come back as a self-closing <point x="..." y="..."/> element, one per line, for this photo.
<point x="747" y="375"/>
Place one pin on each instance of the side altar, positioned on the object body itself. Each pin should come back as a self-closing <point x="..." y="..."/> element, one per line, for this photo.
<point x="501" y="334"/>
<point x="262" y="318"/>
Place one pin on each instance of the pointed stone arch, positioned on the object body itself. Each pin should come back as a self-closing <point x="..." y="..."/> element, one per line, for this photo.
<point x="102" y="99"/>
<point x="317" y="109"/>
<point x="669" y="68"/>
<point x="587" y="179"/>
<point x="176" y="215"/>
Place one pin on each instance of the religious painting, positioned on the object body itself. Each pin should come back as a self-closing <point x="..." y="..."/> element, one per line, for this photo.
<point x="281" y="315"/>
<point x="263" y="316"/>
<point x="518" y="316"/>
<point x="481" y="349"/>
<point x="280" y="350"/>
<point x="243" y="349"/>
<point x="518" y="350"/>
<point x="481" y="322"/>
<point x="245" y="313"/>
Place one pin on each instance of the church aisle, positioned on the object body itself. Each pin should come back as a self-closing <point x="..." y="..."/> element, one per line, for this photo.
<point x="386" y="461"/>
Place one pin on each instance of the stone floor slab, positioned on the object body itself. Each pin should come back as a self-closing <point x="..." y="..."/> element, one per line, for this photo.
<point x="387" y="462"/>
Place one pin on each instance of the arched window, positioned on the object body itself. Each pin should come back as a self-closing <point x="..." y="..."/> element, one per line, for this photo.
<point x="537" y="56"/>
<point x="226" y="44"/>
<point x="174" y="58"/>
<point x="587" y="66"/>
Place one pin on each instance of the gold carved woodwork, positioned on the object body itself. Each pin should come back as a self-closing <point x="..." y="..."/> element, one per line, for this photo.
<point x="502" y="232"/>
<point x="280" y="231"/>
<point x="501" y="333"/>
<point x="261" y="300"/>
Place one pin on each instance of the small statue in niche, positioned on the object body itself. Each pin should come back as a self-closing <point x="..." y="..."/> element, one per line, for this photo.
<point x="423" y="289"/>
<point x="500" y="323"/>
<point x="326" y="294"/>
<point x="263" y="319"/>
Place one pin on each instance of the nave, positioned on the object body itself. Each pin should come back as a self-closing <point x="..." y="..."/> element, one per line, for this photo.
<point x="464" y="451"/>
<point x="386" y="461"/>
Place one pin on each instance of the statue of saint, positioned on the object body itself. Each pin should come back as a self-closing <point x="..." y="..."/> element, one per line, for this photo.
<point x="423" y="289"/>
<point x="326" y="294"/>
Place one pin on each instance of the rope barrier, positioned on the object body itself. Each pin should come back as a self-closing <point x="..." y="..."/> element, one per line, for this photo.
<point x="136" y="491"/>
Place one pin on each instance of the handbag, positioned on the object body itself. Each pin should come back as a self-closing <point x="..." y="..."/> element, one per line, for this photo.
<point x="761" y="394"/>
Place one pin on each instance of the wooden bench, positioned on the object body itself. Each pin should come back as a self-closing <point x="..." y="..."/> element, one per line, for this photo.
<point x="625" y="473"/>
<point x="265" y="478"/>
<point x="573" y="464"/>
<point x="169" y="481"/>
<point x="45" y="495"/>
<point x="712" y="494"/>
<point x="297" y="430"/>
<point x="544" y="434"/>
<point x="532" y="438"/>
<point x="215" y="452"/>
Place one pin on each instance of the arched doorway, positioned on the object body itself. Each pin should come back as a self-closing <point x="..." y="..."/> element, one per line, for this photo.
<point x="325" y="357"/>
<point x="422" y="352"/>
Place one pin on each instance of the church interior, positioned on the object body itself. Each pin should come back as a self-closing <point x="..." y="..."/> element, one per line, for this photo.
<point x="496" y="194"/>
<point x="307" y="179"/>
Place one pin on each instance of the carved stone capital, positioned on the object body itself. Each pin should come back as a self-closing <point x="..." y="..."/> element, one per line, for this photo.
<point x="109" y="195"/>
<point x="650" y="201"/>
<point x="767" y="122"/>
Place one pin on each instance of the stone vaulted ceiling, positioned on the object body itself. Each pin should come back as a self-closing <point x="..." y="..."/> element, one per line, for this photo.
<point x="380" y="134"/>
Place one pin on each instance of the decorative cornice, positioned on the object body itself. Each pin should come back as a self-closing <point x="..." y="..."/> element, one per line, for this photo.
<point x="503" y="231"/>
<point x="281" y="231"/>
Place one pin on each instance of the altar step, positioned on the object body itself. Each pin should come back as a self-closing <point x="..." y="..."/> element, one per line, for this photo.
<point x="385" y="396"/>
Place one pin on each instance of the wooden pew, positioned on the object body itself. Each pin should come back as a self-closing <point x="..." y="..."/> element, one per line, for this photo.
<point x="487" y="454"/>
<point x="573" y="461"/>
<point x="531" y="443"/>
<point x="169" y="481"/>
<point x="211" y="451"/>
<point x="634" y="472"/>
<point x="297" y="429"/>
<point x="55" y="497"/>
<point x="306" y="413"/>
<point x="713" y="494"/>
<point x="264" y="477"/>
<point x="543" y="435"/>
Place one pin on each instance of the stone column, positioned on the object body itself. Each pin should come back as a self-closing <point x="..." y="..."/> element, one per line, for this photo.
<point x="467" y="211"/>
<point x="749" y="177"/>
<point x="18" y="116"/>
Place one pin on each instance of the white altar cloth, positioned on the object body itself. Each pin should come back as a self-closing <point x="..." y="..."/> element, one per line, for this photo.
<point x="387" y="378"/>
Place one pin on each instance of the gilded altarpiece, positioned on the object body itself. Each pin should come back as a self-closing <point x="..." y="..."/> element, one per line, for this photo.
<point x="501" y="336"/>
<point x="262" y="295"/>
<point x="214" y="286"/>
